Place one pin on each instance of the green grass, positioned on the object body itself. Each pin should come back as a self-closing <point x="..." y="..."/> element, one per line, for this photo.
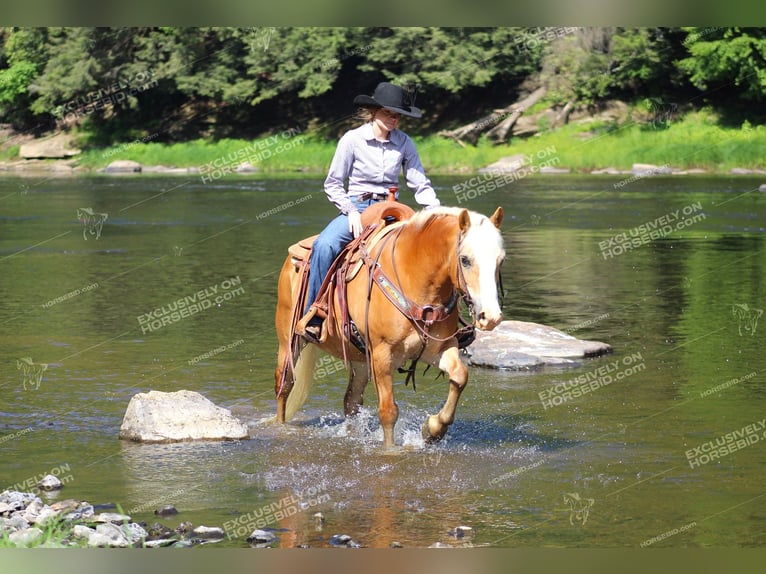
<point x="9" y="153"/>
<point x="696" y="141"/>
<point x="55" y="535"/>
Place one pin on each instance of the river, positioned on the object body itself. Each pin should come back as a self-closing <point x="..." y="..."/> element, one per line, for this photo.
<point x="666" y="448"/>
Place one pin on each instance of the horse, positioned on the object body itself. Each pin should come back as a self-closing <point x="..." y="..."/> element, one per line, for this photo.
<point x="412" y="314"/>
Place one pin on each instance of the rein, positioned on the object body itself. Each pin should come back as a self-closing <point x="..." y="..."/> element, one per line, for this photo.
<point x="422" y="317"/>
<point x="416" y="313"/>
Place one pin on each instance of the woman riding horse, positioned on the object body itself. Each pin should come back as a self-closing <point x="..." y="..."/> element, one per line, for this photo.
<point x="370" y="158"/>
<point x="403" y="301"/>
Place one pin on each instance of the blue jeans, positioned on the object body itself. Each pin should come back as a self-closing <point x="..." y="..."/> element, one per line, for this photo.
<point x="326" y="247"/>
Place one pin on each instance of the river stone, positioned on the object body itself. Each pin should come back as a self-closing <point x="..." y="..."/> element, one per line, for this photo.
<point x="167" y="510"/>
<point x="17" y="499"/>
<point x="82" y="531"/>
<point x="159" y="543"/>
<point x="550" y="170"/>
<point x="136" y="533"/>
<point x="110" y="517"/>
<point x="49" y="482"/>
<point x="109" y="535"/>
<point x="123" y="166"/>
<point x="208" y="532"/>
<point x="344" y="541"/>
<point x="58" y="146"/>
<point x="525" y="345"/>
<point x="25" y="536"/>
<point x="84" y="511"/>
<point x="261" y="537"/>
<point x="645" y="169"/>
<point x="46" y="514"/>
<point x="461" y="532"/>
<point x="32" y="511"/>
<point x="505" y="164"/>
<point x="6" y="508"/>
<point x="180" y="416"/>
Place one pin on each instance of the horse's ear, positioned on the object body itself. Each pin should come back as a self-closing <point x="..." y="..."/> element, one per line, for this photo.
<point x="497" y="217"/>
<point x="464" y="219"/>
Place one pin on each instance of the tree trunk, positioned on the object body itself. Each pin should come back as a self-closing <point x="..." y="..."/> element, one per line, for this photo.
<point x="499" y="131"/>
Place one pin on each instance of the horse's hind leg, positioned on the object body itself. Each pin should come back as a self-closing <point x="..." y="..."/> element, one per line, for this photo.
<point x="357" y="381"/>
<point x="436" y="426"/>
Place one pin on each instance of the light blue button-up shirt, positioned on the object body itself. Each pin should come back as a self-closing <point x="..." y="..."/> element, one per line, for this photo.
<point x="372" y="166"/>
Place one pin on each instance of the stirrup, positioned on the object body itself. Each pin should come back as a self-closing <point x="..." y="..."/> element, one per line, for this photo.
<point x="309" y="331"/>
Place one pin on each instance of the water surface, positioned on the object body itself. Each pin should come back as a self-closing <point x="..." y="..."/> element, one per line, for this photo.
<point x="610" y="467"/>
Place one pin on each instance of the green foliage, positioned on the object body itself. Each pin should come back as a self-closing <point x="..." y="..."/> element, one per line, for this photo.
<point x="600" y="63"/>
<point x="24" y="54"/>
<point x="211" y="82"/>
<point x="449" y="59"/>
<point x="726" y="57"/>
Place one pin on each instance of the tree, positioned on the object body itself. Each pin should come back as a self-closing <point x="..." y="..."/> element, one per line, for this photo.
<point x="24" y="54"/>
<point x="731" y="61"/>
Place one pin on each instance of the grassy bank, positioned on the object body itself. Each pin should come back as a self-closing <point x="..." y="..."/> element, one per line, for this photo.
<point x="696" y="141"/>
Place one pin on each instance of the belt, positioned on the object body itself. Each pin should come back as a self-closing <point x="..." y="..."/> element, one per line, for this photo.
<point x="370" y="195"/>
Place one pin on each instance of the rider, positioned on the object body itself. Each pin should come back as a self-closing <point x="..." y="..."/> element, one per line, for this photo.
<point x="369" y="159"/>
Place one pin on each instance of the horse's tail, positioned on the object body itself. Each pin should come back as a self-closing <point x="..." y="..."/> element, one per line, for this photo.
<point x="304" y="377"/>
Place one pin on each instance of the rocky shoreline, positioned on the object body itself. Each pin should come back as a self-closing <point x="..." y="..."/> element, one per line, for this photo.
<point x="504" y="166"/>
<point x="26" y="521"/>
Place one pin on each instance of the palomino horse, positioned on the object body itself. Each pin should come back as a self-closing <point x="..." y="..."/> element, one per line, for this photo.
<point x="427" y="262"/>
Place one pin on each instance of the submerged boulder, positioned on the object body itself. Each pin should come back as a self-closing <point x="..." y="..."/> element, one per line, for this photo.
<point x="180" y="416"/>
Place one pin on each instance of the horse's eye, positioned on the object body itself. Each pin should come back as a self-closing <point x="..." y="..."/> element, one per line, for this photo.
<point x="465" y="261"/>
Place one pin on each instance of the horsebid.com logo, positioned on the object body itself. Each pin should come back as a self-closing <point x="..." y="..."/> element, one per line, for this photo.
<point x="267" y="514"/>
<point x="726" y="444"/>
<point x="190" y="305"/>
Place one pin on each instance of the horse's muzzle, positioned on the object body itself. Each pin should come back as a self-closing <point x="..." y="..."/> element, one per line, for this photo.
<point x="487" y="322"/>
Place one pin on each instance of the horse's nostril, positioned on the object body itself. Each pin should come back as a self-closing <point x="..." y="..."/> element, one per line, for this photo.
<point x="482" y="316"/>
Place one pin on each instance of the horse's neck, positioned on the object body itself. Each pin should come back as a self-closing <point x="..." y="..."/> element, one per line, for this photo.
<point x="427" y="258"/>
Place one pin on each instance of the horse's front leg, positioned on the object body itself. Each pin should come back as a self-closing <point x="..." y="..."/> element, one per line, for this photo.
<point x="436" y="426"/>
<point x="388" y="411"/>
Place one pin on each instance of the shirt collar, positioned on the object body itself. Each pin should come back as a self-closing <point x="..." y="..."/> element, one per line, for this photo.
<point x="394" y="136"/>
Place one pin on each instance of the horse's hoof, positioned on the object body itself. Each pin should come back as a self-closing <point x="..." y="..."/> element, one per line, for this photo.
<point x="428" y="436"/>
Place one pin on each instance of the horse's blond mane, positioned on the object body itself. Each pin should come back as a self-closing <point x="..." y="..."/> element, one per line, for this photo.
<point x="424" y="217"/>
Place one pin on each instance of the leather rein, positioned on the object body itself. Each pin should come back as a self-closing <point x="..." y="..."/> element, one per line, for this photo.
<point x="421" y="316"/>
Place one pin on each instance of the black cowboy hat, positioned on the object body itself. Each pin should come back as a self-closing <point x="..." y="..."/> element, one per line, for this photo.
<point x="392" y="98"/>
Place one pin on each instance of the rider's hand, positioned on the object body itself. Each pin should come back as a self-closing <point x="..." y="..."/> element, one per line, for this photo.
<point x="355" y="222"/>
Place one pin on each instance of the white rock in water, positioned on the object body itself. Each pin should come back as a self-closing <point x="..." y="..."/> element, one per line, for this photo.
<point x="49" y="482"/>
<point x="180" y="416"/>
<point x="208" y="532"/>
<point x="522" y="344"/>
<point x="261" y="536"/>
<point x="123" y="166"/>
